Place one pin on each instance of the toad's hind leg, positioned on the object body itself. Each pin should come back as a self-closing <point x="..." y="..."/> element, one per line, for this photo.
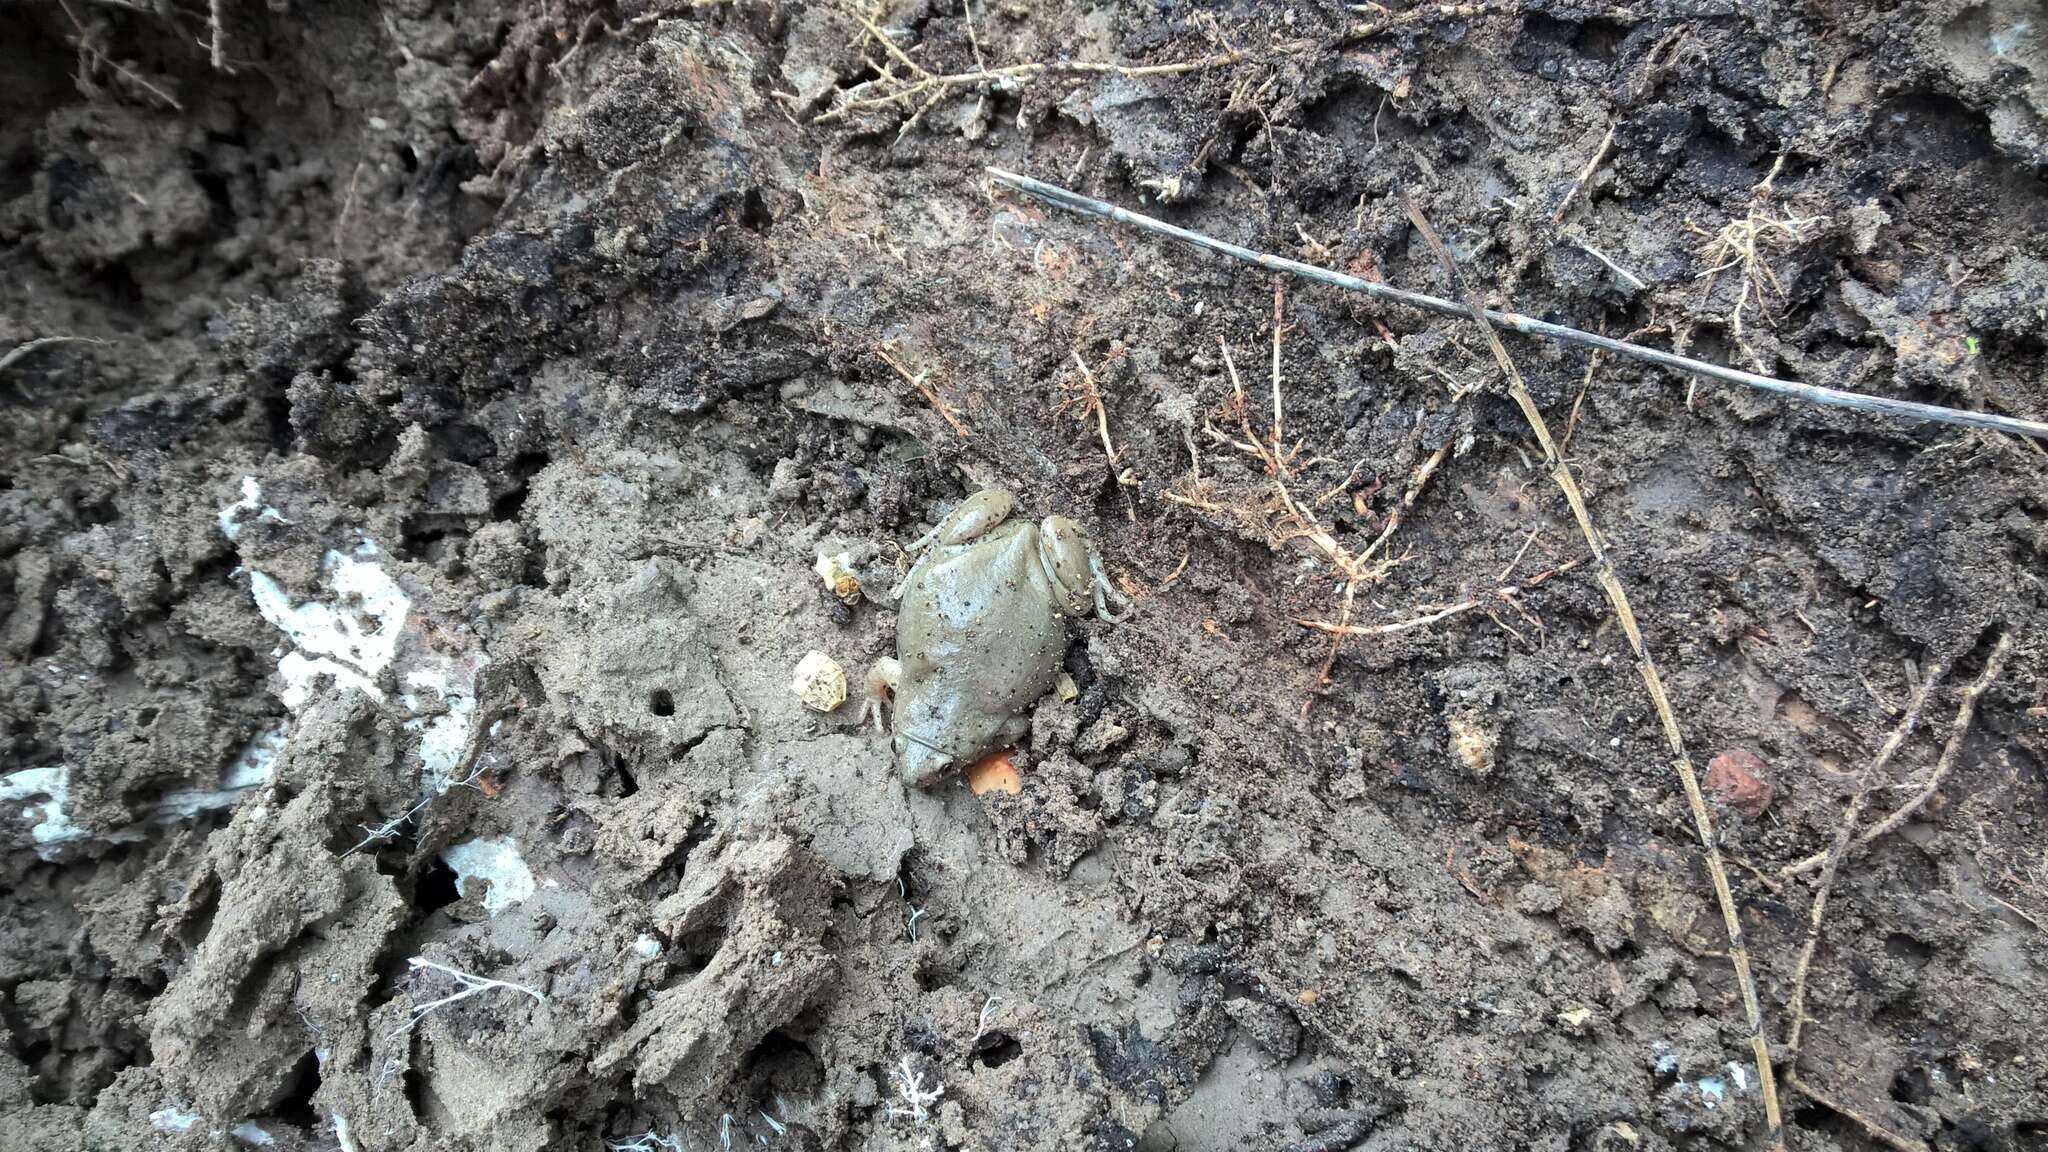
<point x="975" y="516"/>
<point x="877" y="689"/>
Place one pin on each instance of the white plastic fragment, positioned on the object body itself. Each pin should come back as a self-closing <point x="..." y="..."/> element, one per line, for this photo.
<point x="171" y="1118"/>
<point x="53" y="788"/>
<point x="496" y="862"/>
<point x="647" y="946"/>
<point x="248" y="1133"/>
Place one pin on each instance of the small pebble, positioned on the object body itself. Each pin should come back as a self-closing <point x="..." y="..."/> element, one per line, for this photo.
<point x="1735" y="778"/>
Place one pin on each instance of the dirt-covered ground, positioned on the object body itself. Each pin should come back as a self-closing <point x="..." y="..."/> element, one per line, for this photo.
<point x="404" y="563"/>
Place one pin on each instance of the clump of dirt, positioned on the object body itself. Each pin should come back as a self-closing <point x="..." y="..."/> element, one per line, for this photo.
<point x="422" y="427"/>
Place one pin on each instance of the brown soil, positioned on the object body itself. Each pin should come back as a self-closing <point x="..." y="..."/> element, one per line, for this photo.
<point x="409" y="558"/>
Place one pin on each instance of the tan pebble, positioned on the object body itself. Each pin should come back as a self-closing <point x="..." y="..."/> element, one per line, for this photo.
<point x="820" y="682"/>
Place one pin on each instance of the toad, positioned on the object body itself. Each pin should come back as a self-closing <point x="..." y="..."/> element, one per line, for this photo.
<point x="981" y="632"/>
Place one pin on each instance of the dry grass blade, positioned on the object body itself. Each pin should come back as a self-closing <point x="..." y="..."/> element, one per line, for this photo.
<point x="1561" y="475"/>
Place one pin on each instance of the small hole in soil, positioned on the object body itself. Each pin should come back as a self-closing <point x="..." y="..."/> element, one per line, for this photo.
<point x="407" y="158"/>
<point x="1912" y="1086"/>
<point x="661" y="703"/>
<point x="998" y="1049"/>
<point x="145" y="718"/>
<point x="627" y="785"/>
<point x="754" y="212"/>
<point x="435" y="889"/>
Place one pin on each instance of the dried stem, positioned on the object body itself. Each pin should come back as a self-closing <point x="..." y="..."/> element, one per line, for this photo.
<point x="26" y="348"/>
<point x="1958" y="728"/>
<point x="1279" y="331"/>
<point x="1421" y="621"/>
<point x="1865" y="781"/>
<point x="1585" y="174"/>
<point x="1561" y="475"/>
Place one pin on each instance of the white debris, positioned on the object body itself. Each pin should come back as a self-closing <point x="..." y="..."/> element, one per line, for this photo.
<point x="320" y="629"/>
<point x="2006" y="42"/>
<point x="496" y="862"/>
<point x="252" y="497"/>
<point x="341" y="1135"/>
<point x="819" y="682"/>
<point x="647" y="946"/>
<point x="53" y="788"/>
<point x="837" y="573"/>
<point x="444" y="739"/>
<point x="171" y="1118"/>
<point x="350" y="639"/>
<point x="248" y="1133"/>
<point x="253" y="768"/>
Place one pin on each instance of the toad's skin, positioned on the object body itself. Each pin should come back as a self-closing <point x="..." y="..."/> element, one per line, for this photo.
<point x="981" y="632"/>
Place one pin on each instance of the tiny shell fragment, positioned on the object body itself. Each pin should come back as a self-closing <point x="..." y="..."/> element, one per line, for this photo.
<point x="820" y="682"/>
<point x="837" y="573"/>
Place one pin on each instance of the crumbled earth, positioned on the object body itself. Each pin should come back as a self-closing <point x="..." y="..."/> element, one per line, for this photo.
<point x="408" y="544"/>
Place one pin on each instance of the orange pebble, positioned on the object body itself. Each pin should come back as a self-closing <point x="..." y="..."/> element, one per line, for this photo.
<point x="994" y="773"/>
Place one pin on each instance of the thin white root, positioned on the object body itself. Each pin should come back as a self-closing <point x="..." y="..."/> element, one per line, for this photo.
<point x="918" y="1097"/>
<point x="471" y="986"/>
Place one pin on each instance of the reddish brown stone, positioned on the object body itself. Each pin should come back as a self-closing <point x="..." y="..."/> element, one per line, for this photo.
<point x="1735" y="778"/>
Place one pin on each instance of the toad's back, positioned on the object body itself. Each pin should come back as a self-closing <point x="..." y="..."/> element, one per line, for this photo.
<point x="980" y="642"/>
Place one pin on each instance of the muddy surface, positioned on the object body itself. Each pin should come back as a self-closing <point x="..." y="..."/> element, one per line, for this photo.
<point x="403" y="568"/>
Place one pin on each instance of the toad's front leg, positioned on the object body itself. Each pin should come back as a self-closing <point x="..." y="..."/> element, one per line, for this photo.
<point x="877" y="690"/>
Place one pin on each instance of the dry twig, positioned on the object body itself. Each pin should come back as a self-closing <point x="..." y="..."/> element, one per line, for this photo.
<point x="1958" y="728"/>
<point x="925" y="390"/>
<point x="1586" y="174"/>
<point x="1561" y="475"/>
<point x="1867" y="779"/>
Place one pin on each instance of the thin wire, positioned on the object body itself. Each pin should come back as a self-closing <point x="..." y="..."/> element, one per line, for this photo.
<point x="1528" y="326"/>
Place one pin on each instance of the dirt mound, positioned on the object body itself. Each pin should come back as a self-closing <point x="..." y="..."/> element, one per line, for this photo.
<point x="423" y="425"/>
